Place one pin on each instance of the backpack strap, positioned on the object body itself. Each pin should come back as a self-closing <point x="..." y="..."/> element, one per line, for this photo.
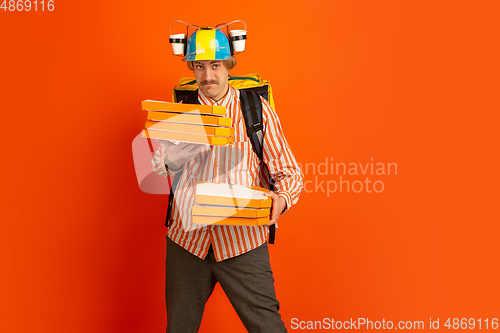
<point x="173" y="187"/>
<point x="251" y="107"/>
<point x="192" y="98"/>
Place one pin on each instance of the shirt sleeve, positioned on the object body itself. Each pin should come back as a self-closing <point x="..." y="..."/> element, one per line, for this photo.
<point x="279" y="158"/>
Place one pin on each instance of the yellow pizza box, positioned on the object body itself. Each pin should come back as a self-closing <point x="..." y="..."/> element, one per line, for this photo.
<point x="189" y="128"/>
<point x="222" y="194"/>
<point x="189" y="118"/>
<point x="230" y="220"/>
<point x="229" y="211"/>
<point x="187" y="137"/>
<point x="151" y="105"/>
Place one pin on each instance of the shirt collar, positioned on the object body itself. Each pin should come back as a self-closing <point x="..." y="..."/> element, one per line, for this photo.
<point x="225" y="101"/>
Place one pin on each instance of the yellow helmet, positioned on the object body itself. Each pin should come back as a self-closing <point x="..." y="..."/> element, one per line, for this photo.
<point x="207" y="44"/>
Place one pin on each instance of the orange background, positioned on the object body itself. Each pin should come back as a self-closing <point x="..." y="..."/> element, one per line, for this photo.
<point x="413" y="83"/>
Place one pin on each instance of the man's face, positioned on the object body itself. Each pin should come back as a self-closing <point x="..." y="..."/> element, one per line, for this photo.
<point x="211" y="76"/>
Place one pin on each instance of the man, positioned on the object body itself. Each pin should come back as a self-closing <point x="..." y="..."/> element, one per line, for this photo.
<point x="235" y="256"/>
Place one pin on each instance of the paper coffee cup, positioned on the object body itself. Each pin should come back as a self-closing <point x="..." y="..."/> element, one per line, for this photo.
<point x="178" y="48"/>
<point x="238" y="45"/>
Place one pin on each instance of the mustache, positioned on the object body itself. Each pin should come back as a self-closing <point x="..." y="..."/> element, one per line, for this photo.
<point x="208" y="82"/>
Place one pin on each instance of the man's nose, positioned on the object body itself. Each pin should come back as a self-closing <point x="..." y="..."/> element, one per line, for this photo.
<point x="209" y="75"/>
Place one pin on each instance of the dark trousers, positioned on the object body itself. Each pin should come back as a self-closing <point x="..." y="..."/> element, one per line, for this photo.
<point x="246" y="279"/>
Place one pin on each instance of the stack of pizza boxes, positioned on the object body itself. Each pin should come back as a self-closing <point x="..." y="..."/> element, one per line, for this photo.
<point x="193" y="123"/>
<point x="227" y="204"/>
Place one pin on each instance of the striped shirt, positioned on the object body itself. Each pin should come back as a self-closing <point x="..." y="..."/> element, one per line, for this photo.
<point x="232" y="164"/>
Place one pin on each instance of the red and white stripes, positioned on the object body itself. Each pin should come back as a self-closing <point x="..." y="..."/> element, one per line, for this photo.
<point x="234" y="164"/>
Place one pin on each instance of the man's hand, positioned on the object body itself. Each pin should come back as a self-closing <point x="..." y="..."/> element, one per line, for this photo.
<point x="180" y="153"/>
<point x="279" y="204"/>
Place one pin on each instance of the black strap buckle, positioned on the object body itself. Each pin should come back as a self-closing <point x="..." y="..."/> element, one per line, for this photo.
<point x="254" y="129"/>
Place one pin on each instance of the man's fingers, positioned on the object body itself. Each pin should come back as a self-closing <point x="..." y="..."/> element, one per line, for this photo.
<point x="275" y="207"/>
<point x="274" y="218"/>
<point x="170" y="144"/>
<point x="183" y="146"/>
<point x="275" y="214"/>
<point x="183" y="149"/>
<point x="166" y="143"/>
<point x="195" y="149"/>
<point x="272" y="195"/>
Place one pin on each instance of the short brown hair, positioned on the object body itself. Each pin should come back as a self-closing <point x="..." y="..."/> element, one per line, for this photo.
<point x="228" y="63"/>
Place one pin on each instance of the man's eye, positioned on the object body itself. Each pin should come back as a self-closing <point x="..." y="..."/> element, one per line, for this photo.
<point x="216" y="66"/>
<point x="199" y="67"/>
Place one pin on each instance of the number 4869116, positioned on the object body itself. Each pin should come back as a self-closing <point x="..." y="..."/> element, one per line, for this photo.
<point x="27" y="5"/>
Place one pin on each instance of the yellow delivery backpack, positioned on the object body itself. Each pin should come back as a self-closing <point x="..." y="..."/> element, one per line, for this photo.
<point x="248" y="82"/>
